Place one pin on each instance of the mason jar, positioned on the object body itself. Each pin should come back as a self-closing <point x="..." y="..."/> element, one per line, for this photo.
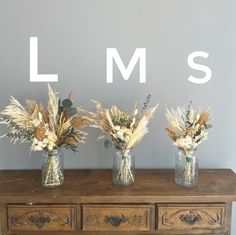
<point x="123" y="168"/>
<point x="52" y="168"/>
<point x="186" y="169"/>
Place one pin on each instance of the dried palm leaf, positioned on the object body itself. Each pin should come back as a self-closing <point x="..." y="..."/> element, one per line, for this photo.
<point x="204" y="117"/>
<point x="78" y="122"/>
<point x="172" y="134"/>
<point x="141" y="128"/>
<point x="16" y="113"/>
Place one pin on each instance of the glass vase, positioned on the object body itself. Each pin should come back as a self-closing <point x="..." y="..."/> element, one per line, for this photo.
<point x="123" y="168"/>
<point x="52" y="168"/>
<point x="186" y="169"/>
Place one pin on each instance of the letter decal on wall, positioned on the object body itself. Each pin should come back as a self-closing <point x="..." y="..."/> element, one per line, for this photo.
<point x="139" y="54"/>
<point x="34" y="76"/>
<point x="200" y="67"/>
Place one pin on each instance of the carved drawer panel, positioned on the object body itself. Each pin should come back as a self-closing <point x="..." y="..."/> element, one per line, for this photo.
<point x="191" y="216"/>
<point x="41" y="217"/>
<point x="117" y="217"/>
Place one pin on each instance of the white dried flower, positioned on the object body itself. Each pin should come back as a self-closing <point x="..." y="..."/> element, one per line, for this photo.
<point x="133" y="122"/>
<point x="127" y="139"/>
<point x="184" y="142"/>
<point x="38" y="121"/>
<point x="120" y="134"/>
<point x="117" y="128"/>
<point x="37" y="145"/>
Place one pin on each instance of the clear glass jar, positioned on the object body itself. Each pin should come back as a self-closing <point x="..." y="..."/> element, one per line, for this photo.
<point x="123" y="168"/>
<point x="186" y="169"/>
<point x="52" y="168"/>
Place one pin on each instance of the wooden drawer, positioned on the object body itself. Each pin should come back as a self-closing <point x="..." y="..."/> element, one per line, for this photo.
<point x="117" y="217"/>
<point x="192" y="216"/>
<point x="41" y="217"/>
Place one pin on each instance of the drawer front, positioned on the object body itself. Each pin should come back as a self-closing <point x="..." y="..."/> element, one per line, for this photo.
<point x="41" y="217"/>
<point x="117" y="217"/>
<point x="191" y="216"/>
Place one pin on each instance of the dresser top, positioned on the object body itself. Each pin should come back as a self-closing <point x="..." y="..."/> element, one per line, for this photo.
<point x="88" y="186"/>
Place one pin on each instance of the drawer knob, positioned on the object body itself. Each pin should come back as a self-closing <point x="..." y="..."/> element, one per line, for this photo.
<point x="116" y="220"/>
<point x="39" y="220"/>
<point x="190" y="219"/>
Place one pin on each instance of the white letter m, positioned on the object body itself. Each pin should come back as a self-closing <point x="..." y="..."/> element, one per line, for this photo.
<point x="139" y="54"/>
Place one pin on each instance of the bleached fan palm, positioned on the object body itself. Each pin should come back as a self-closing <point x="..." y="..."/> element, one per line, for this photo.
<point x="17" y="113"/>
<point x="18" y="120"/>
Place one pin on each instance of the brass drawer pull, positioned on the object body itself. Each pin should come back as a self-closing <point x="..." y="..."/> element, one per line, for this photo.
<point x="39" y="220"/>
<point x="190" y="219"/>
<point x="116" y="220"/>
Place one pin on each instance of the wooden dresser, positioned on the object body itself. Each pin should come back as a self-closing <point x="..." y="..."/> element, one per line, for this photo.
<point x="88" y="203"/>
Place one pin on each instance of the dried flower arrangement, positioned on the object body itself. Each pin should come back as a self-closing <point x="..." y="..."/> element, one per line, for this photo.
<point x="123" y="130"/>
<point x="188" y="128"/>
<point x="47" y="129"/>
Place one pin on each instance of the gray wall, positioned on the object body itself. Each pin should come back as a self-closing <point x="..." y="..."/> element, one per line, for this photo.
<point x="73" y="37"/>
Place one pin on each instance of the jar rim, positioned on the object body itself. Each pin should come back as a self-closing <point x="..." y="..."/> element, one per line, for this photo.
<point x="56" y="150"/>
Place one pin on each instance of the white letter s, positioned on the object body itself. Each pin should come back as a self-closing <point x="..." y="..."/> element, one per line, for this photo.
<point x="200" y="67"/>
